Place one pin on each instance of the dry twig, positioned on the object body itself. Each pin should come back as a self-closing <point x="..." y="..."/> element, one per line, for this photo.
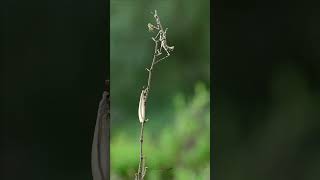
<point x="161" y="39"/>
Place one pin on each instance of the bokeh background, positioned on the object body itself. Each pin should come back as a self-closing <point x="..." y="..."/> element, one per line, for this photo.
<point x="266" y="97"/>
<point x="177" y="137"/>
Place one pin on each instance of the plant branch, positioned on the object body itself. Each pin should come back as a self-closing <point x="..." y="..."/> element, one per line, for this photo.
<point x="145" y="92"/>
<point x="142" y="168"/>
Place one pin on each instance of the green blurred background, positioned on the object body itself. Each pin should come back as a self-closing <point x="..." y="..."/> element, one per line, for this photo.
<point x="177" y="139"/>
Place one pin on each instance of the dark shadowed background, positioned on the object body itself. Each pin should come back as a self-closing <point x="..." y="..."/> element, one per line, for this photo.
<point x="266" y="79"/>
<point x="54" y="60"/>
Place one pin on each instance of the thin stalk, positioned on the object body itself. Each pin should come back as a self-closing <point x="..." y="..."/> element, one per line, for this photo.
<point x="142" y="169"/>
<point x="145" y="93"/>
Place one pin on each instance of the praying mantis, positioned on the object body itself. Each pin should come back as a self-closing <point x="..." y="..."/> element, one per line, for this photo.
<point x="161" y="36"/>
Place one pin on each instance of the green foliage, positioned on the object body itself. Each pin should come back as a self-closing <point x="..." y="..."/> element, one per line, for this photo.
<point x="180" y="150"/>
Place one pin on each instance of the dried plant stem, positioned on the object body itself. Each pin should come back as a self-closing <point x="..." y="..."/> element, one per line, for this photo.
<point x="141" y="153"/>
<point x="152" y="64"/>
<point x="145" y="92"/>
<point x="142" y="169"/>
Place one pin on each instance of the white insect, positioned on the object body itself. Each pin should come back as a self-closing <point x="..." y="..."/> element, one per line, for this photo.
<point x="142" y="106"/>
<point x="161" y="36"/>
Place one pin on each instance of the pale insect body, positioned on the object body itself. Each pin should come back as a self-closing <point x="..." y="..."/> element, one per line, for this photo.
<point x="142" y="107"/>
